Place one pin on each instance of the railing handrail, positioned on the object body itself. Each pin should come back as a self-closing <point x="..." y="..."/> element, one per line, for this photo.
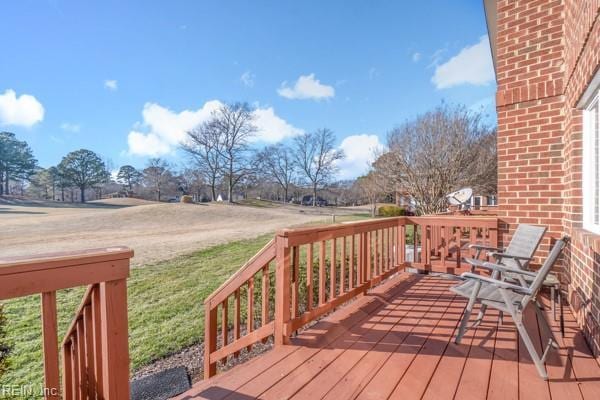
<point x="59" y="259"/>
<point x="85" y="300"/>
<point x="304" y="235"/>
<point x="24" y="276"/>
<point x="487" y="221"/>
<point x="250" y="268"/>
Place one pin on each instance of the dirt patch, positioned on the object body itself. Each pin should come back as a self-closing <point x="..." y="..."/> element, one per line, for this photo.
<point x="192" y="359"/>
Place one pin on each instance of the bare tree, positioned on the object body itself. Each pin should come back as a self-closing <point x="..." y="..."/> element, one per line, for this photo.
<point x="276" y="163"/>
<point x="439" y="152"/>
<point x="203" y="145"/>
<point x="156" y="175"/>
<point x="192" y="181"/>
<point x="316" y="156"/>
<point x="372" y="186"/>
<point x="234" y="126"/>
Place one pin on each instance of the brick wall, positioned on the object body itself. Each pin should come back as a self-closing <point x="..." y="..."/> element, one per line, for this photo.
<point x="530" y="76"/>
<point x="547" y="53"/>
<point x="582" y="59"/>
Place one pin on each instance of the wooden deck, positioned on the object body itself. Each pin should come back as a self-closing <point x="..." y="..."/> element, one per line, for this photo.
<point x="396" y="343"/>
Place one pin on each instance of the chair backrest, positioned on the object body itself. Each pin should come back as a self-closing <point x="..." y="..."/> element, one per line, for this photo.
<point x="543" y="272"/>
<point x="524" y="243"/>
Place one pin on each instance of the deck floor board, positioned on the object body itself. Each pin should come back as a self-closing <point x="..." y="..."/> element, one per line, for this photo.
<point x="397" y="342"/>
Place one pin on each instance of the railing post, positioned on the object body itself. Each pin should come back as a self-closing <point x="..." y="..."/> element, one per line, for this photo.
<point x="210" y="339"/>
<point x="50" y="343"/>
<point x="425" y="245"/>
<point x="493" y="234"/>
<point x="115" y="347"/>
<point x="282" y="291"/>
<point x="401" y="251"/>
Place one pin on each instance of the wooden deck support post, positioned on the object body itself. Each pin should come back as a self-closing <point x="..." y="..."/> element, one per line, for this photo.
<point x="50" y="343"/>
<point x="115" y="347"/>
<point x="282" y="291"/>
<point x="210" y="339"/>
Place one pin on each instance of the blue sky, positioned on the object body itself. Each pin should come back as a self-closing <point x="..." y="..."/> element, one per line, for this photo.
<point x="125" y="79"/>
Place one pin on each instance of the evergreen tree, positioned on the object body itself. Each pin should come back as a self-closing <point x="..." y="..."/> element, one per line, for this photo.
<point x="16" y="160"/>
<point x="129" y="176"/>
<point x="83" y="169"/>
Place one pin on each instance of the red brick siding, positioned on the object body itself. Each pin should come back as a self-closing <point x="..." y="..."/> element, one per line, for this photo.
<point x="530" y="74"/>
<point x="582" y="59"/>
<point x="547" y="53"/>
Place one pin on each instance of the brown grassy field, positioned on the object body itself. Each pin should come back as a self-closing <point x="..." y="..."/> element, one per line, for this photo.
<point x="186" y="250"/>
<point x="156" y="231"/>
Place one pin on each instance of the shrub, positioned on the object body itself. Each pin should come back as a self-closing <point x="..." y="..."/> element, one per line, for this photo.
<point x="391" y="211"/>
<point x="187" y="199"/>
<point x="4" y="348"/>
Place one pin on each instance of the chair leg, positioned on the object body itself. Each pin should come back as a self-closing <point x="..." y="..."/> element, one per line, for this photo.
<point x="553" y="301"/>
<point x="480" y="316"/>
<point x="467" y="313"/>
<point x="544" y="324"/>
<point x="539" y="363"/>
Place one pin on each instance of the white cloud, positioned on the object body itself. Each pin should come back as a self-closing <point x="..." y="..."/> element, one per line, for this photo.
<point x="111" y="84"/>
<point x="472" y="65"/>
<point x="165" y="129"/>
<point x="69" y="127"/>
<point x="24" y="110"/>
<point x="306" y="87"/>
<point x="416" y="57"/>
<point x="247" y="79"/>
<point x="271" y="128"/>
<point x="162" y="130"/>
<point x="359" y="151"/>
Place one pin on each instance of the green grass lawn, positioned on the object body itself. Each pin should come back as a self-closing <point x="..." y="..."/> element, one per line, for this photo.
<point x="166" y="312"/>
<point x="165" y="308"/>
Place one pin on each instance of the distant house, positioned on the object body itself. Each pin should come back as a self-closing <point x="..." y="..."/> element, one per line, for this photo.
<point x="308" y="201"/>
<point x="483" y="201"/>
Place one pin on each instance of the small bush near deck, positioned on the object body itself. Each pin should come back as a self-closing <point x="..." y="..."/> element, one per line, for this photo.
<point x="391" y="211"/>
<point x="187" y="199"/>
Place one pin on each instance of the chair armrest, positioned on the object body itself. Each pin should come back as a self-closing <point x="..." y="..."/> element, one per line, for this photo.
<point x="497" y="283"/>
<point x="484" y="247"/>
<point x="506" y="255"/>
<point x="504" y="268"/>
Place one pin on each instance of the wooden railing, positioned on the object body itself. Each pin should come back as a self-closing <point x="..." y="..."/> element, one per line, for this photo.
<point x="327" y="266"/>
<point x="441" y="241"/>
<point x="319" y="268"/>
<point x="95" y="355"/>
<point x="240" y="291"/>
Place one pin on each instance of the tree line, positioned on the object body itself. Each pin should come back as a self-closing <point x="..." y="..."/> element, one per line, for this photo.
<point x="220" y="157"/>
<point x="219" y="149"/>
<point x="424" y="159"/>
